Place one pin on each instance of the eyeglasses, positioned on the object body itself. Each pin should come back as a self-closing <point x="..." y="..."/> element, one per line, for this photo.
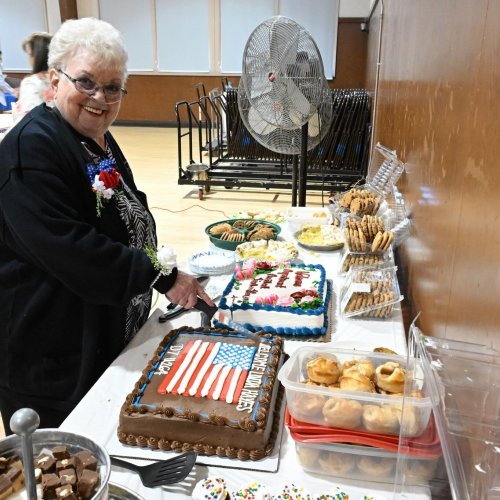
<point x="112" y="93"/>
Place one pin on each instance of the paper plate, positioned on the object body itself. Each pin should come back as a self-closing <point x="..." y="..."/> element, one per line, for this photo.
<point x="211" y="263"/>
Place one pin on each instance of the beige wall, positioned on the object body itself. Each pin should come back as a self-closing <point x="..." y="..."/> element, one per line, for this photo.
<point x="437" y="105"/>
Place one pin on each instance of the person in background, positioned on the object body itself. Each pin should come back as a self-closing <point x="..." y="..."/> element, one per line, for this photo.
<point x="79" y="258"/>
<point x="35" y="89"/>
<point x="5" y="88"/>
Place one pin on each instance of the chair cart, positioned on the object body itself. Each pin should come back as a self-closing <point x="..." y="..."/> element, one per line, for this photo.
<point x="235" y="159"/>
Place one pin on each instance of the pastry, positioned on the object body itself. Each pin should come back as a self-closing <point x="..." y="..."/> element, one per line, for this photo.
<point x="343" y="413"/>
<point x="420" y="469"/>
<point x="364" y="365"/>
<point x="337" y="464"/>
<point x="390" y="377"/>
<point x="376" y="466"/>
<point x="381" y="419"/>
<point x="354" y="380"/>
<point x="323" y="370"/>
<point x="384" y="350"/>
<point x="307" y="455"/>
<point x="307" y="405"/>
<point x="410" y="423"/>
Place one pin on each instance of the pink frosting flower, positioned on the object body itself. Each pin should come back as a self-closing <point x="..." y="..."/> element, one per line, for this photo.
<point x="267" y="300"/>
<point x="307" y="298"/>
<point x="285" y="301"/>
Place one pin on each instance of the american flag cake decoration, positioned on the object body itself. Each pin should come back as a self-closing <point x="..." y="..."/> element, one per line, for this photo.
<point x="213" y="370"/>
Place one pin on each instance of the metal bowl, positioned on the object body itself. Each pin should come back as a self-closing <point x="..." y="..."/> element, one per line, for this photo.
<point x="48" y="438"/>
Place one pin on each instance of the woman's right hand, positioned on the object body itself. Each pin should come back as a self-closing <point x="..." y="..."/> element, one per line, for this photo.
<point x="186" y="290"/>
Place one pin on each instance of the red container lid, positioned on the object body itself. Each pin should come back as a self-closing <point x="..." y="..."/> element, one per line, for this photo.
<point x="426" y="445"/>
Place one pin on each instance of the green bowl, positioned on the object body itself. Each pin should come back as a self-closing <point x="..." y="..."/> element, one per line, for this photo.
<point x="244" y="228"/>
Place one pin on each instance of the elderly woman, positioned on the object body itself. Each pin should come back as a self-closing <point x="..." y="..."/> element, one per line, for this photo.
<point x="78" y="250"/>
<point x="35" y="89"/>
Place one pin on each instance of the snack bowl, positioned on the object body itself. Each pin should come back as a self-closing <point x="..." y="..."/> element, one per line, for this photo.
<point x="266" y="250"/>
<point x="48" y="438"/>
<point x="320" y="237"/>
<point x="361" y="397"/>
<point x="228" y="234"/>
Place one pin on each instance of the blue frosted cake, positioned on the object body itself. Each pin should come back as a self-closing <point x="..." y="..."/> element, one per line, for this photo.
<point x="287" y="299"/>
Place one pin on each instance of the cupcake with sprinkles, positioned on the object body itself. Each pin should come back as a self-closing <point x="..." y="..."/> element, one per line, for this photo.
<point x="210" y="488"/>
<point x="254" y="491"/>
<point x="291" y="492"/>
<point x="336" y="494"/>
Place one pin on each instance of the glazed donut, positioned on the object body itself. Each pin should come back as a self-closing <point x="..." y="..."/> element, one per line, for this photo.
<point x="356" y="381"/>
<point x="323" y="370"/>
<point x="376" y="466"/>
<point x="390" y="377"/>
<point x="343" y="413"/>
<point x="381" y="419"/>
<point x="307" y="455"/>
<point x="364" y="366"/>
<point x="308" y="405"/>
<point x="337" y="464"/>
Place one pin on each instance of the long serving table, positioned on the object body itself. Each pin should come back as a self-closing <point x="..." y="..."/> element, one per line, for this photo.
<point x="97" y="414"/>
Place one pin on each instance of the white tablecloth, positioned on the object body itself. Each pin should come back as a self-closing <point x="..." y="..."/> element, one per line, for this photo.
<point x="97" y="414"/>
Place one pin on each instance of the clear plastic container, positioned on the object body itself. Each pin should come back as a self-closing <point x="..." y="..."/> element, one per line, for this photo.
<point x="367" y="234"/>
<point x="351" y="402"/>
<point x="370" y="292"/>
<point x="363" y="463"/>
<point x="363" y="259"/>
<point x="361" y="200"/>
<point x="463" y="380"/>
<point x="384" y="171"/>
<point x="297" y="217"/>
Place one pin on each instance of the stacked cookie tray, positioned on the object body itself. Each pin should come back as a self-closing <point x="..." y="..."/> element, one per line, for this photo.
<point x="370" y="292"/>
<point x="346" y="410"/>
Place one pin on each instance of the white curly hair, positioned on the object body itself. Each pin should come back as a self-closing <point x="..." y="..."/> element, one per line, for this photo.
<point x="100" y="40"/>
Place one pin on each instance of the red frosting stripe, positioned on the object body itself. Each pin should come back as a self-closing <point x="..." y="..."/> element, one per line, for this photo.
<point x="162" y="388"/>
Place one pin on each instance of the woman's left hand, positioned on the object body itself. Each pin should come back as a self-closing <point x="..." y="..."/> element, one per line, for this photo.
<point x="186" y="290"/>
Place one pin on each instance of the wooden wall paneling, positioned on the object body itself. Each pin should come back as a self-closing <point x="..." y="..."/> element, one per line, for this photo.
<point x="436" y="108"/>
<point x="68" y="10"/>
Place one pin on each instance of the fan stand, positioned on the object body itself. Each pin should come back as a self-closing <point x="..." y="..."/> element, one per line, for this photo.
<point x="299" y="172"/>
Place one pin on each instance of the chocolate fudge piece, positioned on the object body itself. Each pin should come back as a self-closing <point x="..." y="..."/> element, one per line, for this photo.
<point x="66" y="492"/>
<point x="50" y="482"/>
<point x="67" y="463"/>
<point x="16" y="477"/>
<point x="60" y="452"/>
<point x="87" y="483"/>
<point x="87" y="461"/>
<point x="5" y="487"/>
<point x="4" y="464"/>
<point x="68" y="476"/>
<point x="46" y="463"/>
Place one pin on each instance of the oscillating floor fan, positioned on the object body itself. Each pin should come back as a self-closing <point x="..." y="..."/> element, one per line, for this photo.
<point x="283" y="96"/>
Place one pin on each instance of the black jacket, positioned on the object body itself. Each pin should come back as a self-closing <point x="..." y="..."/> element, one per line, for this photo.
<point x="66" y="275"/>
